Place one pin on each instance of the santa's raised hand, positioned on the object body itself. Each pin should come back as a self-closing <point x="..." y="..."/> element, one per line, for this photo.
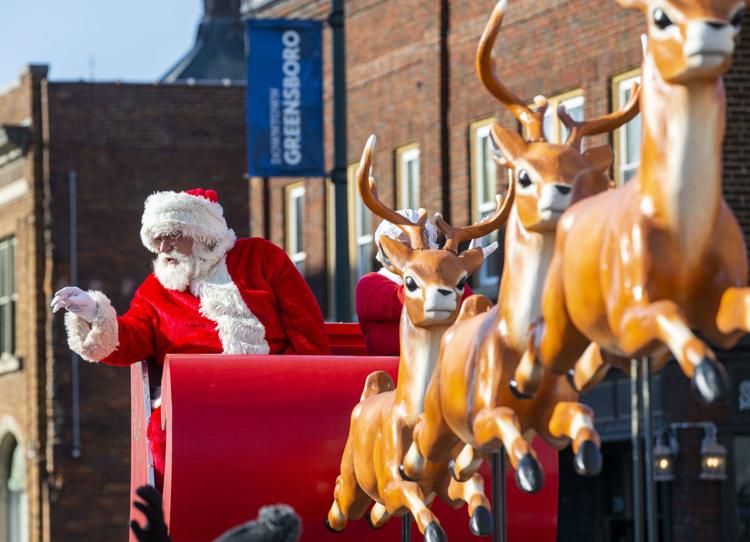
<point x="75" y="300"/>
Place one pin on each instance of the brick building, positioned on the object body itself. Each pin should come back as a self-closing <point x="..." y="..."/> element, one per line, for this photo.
<point x="411" y="81"/>
<point x="115" y="143"/>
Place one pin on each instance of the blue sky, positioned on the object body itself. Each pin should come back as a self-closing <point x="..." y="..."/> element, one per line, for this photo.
<point x="135" y="40"/>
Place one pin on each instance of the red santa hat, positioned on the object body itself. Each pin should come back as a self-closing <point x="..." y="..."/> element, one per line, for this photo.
<point x="195" y="213"/>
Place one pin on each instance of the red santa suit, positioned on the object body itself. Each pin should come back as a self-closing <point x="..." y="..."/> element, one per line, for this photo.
<point x="246" y="297"/>
<point x="379" y="299"/>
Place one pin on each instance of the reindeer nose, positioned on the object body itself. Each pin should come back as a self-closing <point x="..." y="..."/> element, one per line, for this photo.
<point x="563" y="188"/>
<point x="444" y="291"/>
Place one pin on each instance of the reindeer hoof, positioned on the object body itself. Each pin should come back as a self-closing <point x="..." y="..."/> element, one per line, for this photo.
<point x="709" y="380"/>
<point x="434" y="533"/>
<point x="517" y="393"/>
<point x="529" y="475"/>
<point x="570" y="375"/>
<point x="588" y="460"/>
<point x="329" y="528"/>
<point x="368" y="519"/>
<point x="481" y="522"/>
<point x="405" y="476"/>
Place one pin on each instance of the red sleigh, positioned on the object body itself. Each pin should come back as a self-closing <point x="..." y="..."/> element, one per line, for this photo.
<point x="246" y="431"/>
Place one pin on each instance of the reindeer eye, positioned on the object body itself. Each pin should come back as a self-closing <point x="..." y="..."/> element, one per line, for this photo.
<point x="523" y="178"/>
<point x="461" y="284"/>
<point x="410" y="284"/>
<point x="737" y="19"/>
<point x="661" y="20"/>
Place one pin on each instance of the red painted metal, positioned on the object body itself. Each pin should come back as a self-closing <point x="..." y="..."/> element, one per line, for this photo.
<point x="245" y="431"/>
<point x="346" y="339"/>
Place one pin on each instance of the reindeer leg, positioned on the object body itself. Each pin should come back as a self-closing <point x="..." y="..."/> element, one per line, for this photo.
<point x="472" y="493"/>
<point x="378" y="516"/>
<point x="664" y="321"/>
<point x="734" y="311"/>
<point x="400" y="494"/>
<point x="501" y="425"/>
<point x="593" y="367"/>
<point x="576" y="422"/>
<point x="349" y="501"/>
<point x="465" y="464"/>
<point x="432" y="438"/>
<point x="553" y="339"/>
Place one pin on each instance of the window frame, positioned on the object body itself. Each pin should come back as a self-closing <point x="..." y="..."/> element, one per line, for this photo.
<point x="292" y="192"/>
<point x="357" y="239"/>
<point x="553" y="103"/>
<point x="482" y="203"/>
<point x="8" y="359"/>
<point x="620" y="84"/>
<point x="404" y="155"/>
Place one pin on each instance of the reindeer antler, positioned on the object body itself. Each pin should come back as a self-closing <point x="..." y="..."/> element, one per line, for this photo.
<point x="600" y="125"/>
<point x="369" y="193"/>
<point x="533" y="121"/>
<point x="455" y="236"/>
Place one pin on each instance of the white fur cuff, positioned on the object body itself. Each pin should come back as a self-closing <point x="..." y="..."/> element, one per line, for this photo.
<point x="97" y="340"/>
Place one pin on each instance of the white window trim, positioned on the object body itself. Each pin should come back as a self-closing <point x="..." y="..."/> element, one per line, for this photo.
<point x="8" y="360"/>
<point x="483" y="203"/>
<point x="405" y="155"/>
<point x="294" y="192"/>
<point x="622" y="84"/>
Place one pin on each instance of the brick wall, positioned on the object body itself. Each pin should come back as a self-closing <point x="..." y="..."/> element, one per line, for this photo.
<point x="123" y="142"/>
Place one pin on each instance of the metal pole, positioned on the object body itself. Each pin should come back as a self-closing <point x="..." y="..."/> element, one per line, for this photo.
<point x="406" y="528"/>
<point x="648" y="443"/>
<point x="338" y="174"/>
<point x="635" y="439"/>
<point x="74" y="361"/>
<point x="499" y="517"/>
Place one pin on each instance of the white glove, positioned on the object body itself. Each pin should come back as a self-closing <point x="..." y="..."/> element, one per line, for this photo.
<point x="75" y="300"/>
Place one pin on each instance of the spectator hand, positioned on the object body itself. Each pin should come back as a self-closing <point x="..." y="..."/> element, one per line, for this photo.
<point x="75" y="300"/>
<point x="155" y="529"/>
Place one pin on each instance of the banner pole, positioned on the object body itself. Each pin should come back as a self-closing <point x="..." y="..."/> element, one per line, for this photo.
<point x="338" y="174"/>
<point x="648" y="438"/>
<point x="406" y="528"/>
<point x="635" y="439"/>
<point x="499" y="516"/>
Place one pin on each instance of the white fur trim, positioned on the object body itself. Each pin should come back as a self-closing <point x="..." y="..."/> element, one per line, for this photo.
<point x="239" y="329"/>
<point x="193" y="216"/>
<point x="97" y="340"/>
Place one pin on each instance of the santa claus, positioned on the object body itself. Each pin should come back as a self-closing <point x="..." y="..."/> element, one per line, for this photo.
<point x="209" y="293"/>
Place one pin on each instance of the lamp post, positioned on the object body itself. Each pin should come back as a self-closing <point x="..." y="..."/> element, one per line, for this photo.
<point x="713" y="454"/>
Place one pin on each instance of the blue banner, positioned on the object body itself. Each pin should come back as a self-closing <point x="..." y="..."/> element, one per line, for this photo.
<point x="285" y="98"/>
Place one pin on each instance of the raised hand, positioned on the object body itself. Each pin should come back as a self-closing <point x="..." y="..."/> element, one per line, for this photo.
<point x="155" y="530"/>
<point x="75" y="300"/>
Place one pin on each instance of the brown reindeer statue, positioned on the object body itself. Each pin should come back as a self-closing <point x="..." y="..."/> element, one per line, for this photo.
<point x="637" y="269"/>
<point x="382" y="422"/>
<point x="468" y="398"/>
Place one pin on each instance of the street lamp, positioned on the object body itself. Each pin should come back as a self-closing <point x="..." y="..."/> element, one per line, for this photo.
<point x="663" y="460"/>
<point x="714" y="457"/>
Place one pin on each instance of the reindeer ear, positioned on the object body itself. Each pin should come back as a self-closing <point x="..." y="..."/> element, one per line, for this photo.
<point x="472" y="259"/>
<point x="511" y="145"/>
<point x="395" y="254"/>
<point x="599" y="157"/>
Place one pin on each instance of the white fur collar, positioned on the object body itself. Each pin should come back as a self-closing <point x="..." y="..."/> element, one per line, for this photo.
<point x="391" y="275"/>
<point x="239" y="329"/>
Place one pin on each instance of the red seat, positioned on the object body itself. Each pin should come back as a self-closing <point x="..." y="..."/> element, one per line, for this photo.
<point x="245" y="431"/>
<point x="346" y="339"/>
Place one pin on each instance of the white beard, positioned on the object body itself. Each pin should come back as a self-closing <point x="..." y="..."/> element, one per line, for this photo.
<point x="174" y="275"/>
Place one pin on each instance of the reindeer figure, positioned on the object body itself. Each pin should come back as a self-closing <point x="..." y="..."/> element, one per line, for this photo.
<point x="468" y="398"/>
<point x="636" y="268"/>
<point x="382" y="422"/>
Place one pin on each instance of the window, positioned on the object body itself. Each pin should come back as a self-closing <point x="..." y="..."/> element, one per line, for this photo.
<point x="554" y="130"/>
<point x="627" y="140"/>
<point x="407" y="177"/>
<point x="13" y="497"/>
<point x="8" y="299"/>
<point x="295" y="212"/>
<point x="360" y="232"/>
<point x="484" y="191"/>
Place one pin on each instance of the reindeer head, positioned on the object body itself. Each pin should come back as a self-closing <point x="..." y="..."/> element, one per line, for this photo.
<point x="691" y="39"/>
<point x="434" y="279"/>
<point x="549" y="176"/>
